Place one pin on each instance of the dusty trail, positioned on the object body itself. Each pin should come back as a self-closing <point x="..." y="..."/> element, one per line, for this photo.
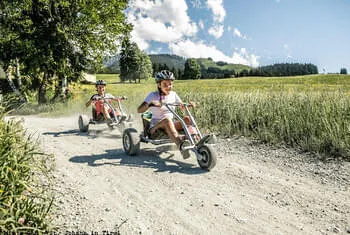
<point x="253" y="189"/>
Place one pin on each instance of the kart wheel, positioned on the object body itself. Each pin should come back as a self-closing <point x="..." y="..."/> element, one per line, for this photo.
<point x="83" y="123"/>
<point x="208" y="154"/>
<point x="131" y="141"/>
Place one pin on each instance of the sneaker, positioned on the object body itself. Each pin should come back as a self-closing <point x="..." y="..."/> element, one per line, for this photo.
<point x="109" y="122"/>
<point x="185" y="153"/>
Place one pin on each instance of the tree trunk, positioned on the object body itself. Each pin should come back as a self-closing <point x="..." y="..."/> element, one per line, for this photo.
<point x="18" y="75"/>
<point x="42" y="98"/>
<point x="12" y="85"/>
<point x="61" y="89"/>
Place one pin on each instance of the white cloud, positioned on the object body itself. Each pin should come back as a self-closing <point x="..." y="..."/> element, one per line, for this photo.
<point x="219" y="13"/>
<point x="160" y="20"/>
<point x="216" y="31"/>
<point x="201" y="24"/>
<point x="243" y="57"/>
<point x="190" y="49"/>
<point x="141" y="43"/>
<point x="237" y="33"/>
<point x="196" y="3"/>
<point x="167" y="21"/>
<point x="216" y="6"/>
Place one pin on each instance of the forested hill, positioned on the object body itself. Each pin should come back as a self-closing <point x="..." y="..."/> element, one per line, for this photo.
<point x="209" y="68"/>
<point x="172" y="61"/>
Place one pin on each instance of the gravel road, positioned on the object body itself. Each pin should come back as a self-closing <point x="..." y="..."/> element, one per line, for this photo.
<point x="254" y="188"/>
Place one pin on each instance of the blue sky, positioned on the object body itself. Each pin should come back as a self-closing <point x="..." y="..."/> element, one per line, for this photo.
<point x="251" y="32"/>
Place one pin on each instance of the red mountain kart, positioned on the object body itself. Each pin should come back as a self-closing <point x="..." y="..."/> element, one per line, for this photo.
<point x="194" y="141"/>
<point x="119" y="118"/>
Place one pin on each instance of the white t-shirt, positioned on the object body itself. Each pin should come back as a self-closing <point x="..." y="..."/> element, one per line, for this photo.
<point x="107" y="95"/>
<point x="158" y="113"/>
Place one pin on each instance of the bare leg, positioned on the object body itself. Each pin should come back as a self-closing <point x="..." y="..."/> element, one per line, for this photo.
<point x="105" y="112"/>
<point x="168" y="126"/>
<point x="178" y="125"/>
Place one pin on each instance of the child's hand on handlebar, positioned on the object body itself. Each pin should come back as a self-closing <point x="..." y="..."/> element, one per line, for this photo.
<point x="192" y="104"/>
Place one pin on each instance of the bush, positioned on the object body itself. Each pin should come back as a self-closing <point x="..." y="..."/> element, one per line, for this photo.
<point x="24" y="181"/>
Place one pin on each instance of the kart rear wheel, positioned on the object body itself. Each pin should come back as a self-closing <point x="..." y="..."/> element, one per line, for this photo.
<point x="131" y="141"/>
<point x="208" y="160"/>
<point x="83" y="123"/>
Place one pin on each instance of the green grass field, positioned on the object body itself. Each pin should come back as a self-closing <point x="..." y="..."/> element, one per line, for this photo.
<point x="307" y="112"/>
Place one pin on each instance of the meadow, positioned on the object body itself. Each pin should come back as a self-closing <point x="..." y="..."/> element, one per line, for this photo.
<point x="311" y="113"/>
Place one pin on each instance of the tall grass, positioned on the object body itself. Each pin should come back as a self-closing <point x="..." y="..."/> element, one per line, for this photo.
<point x="24" y="182"/>
<point x="315" y="122"/>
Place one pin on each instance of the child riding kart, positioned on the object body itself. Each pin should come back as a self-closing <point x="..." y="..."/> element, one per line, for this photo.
<point x="163" y="123"/>
<point x="103" y="110"/>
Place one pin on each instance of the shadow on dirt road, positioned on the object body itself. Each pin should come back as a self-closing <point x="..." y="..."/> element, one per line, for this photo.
<point x="149" y="158"/>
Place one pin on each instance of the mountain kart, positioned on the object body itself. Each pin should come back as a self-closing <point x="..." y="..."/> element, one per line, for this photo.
<point x="194" y="141"/>
<point x="119" y="118"/>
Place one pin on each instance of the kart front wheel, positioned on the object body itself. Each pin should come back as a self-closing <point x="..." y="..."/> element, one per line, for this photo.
<point x="83" y="123"/>
<point x="131" y="141"/>
<point x="208" y="155"/>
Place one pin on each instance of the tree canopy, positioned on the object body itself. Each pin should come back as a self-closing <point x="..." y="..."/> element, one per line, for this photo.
<point x="192" y="69"/>
<point x="58" y="39"/>
<point x="134" y="64"/>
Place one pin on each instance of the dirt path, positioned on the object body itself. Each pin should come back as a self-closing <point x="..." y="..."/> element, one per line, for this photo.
<point x="253" y="189"/>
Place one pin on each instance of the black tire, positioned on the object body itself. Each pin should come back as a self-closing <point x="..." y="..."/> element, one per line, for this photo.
<point x="83" y="123"/>
<point x="208" y="160"/>
<point x="131" y="141"/>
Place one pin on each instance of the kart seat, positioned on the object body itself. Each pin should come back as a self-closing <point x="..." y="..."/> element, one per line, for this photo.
<point x="146" y="121"/>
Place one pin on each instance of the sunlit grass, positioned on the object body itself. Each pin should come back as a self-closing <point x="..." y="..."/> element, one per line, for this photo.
<point x="308" y="112"/>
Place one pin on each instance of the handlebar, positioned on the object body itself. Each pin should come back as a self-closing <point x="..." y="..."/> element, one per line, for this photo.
<point x="178" y="104"/>
<point x="108" y="98"/>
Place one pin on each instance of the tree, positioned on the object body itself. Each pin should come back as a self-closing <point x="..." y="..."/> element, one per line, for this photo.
<point x="55" y="40"/>
<point x="343" y="71"/>
<point x="146" y="69"/>
<point x="134" y="64"/>
<point x="192" y="69"/>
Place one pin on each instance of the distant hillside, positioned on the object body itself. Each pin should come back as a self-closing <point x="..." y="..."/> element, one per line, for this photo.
<point x="209" y="68"/>
<point x="219" y="69"/>
<point x="172" y="61"/>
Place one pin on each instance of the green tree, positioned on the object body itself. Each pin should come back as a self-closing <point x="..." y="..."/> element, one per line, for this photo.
<point x="192" y="69"/>
<point x="55" y="40"/>
<point x="146" y="69"/>
<point x="343" y="71"/>
<point x="134" y="64"/>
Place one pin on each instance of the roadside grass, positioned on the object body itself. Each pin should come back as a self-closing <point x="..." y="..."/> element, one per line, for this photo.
<point x="313" y="122"/>
<point x="25" y="188"/>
